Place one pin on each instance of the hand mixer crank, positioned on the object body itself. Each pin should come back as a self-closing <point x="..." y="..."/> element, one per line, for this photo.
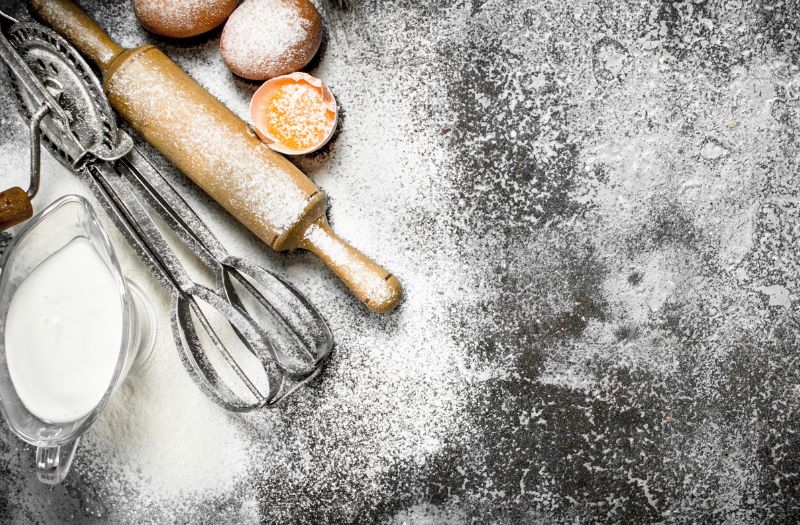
<point x="15" y="203"/>
<point x="41" y="98"/>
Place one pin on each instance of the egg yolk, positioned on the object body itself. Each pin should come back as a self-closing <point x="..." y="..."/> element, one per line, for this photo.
<point x="297" y="116"/>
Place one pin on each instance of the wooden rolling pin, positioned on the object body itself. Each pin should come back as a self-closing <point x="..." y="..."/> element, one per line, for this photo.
<point x="219" y="152"/>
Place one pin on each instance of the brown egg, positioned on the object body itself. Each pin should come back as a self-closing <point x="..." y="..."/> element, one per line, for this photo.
<point x="267" y="38"/>
<point x="182" y="18"/>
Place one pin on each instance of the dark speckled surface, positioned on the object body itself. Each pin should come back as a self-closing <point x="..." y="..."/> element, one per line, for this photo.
<point x="617" y="202"/>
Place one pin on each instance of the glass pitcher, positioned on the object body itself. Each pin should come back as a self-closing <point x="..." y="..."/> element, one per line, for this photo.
<point x="66" y="220"/>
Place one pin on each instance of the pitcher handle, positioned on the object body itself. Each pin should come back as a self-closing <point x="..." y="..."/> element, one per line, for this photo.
<point x="52" y="463"/>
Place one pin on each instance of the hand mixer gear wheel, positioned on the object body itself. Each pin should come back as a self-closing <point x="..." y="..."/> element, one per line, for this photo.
<point x="75" y="88"/>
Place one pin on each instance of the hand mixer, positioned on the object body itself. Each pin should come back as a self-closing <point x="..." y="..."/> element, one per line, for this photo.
<point x="78" y="126"/>
<point x="15" y="203"/>
<point x="219" y="152"/>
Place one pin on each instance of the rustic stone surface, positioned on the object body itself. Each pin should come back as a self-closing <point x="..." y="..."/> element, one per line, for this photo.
<point x="618" y="186"/>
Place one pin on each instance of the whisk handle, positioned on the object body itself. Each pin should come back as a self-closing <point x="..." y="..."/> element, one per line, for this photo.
<point x="15" y="207"/>
<point x="67" y="19"/>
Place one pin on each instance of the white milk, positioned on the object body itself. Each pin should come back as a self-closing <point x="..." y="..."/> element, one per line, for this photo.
<point x="63" y="334"/>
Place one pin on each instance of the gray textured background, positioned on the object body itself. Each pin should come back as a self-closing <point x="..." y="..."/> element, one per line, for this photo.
<point x="603" y="241"/>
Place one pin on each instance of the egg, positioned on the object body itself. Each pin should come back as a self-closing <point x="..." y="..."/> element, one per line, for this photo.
<point x="182" y="18"/>
<point x="294" y="114"/>
<point x="267" y="38"/>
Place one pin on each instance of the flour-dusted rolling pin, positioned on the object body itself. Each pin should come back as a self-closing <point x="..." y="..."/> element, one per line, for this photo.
<point x="219" y="152"/>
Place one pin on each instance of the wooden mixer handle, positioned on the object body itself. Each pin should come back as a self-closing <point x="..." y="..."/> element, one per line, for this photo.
<point x="15" y="207"/>
<point x="66" y="18"/>
<point x="378" y="289"/>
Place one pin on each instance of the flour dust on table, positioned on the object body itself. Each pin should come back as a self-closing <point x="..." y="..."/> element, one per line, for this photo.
<point x="592" y="209"/>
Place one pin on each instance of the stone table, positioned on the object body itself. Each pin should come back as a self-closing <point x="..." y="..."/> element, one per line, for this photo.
<point x="593" y="207"/>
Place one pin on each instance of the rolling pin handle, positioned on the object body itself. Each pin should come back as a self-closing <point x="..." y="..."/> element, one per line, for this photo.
<point x="67" y="19"/>
<point x="378" y="289"/>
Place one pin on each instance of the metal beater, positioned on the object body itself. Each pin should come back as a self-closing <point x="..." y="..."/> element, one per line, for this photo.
<point x="57" y="90"/>
<point x="233" y="273"/>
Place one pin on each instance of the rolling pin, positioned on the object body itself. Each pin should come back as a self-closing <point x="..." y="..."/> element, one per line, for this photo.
<point x="219" y="152"/>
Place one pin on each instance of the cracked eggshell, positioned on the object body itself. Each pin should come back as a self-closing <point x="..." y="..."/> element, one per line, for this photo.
<point x="258" y="111"/>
